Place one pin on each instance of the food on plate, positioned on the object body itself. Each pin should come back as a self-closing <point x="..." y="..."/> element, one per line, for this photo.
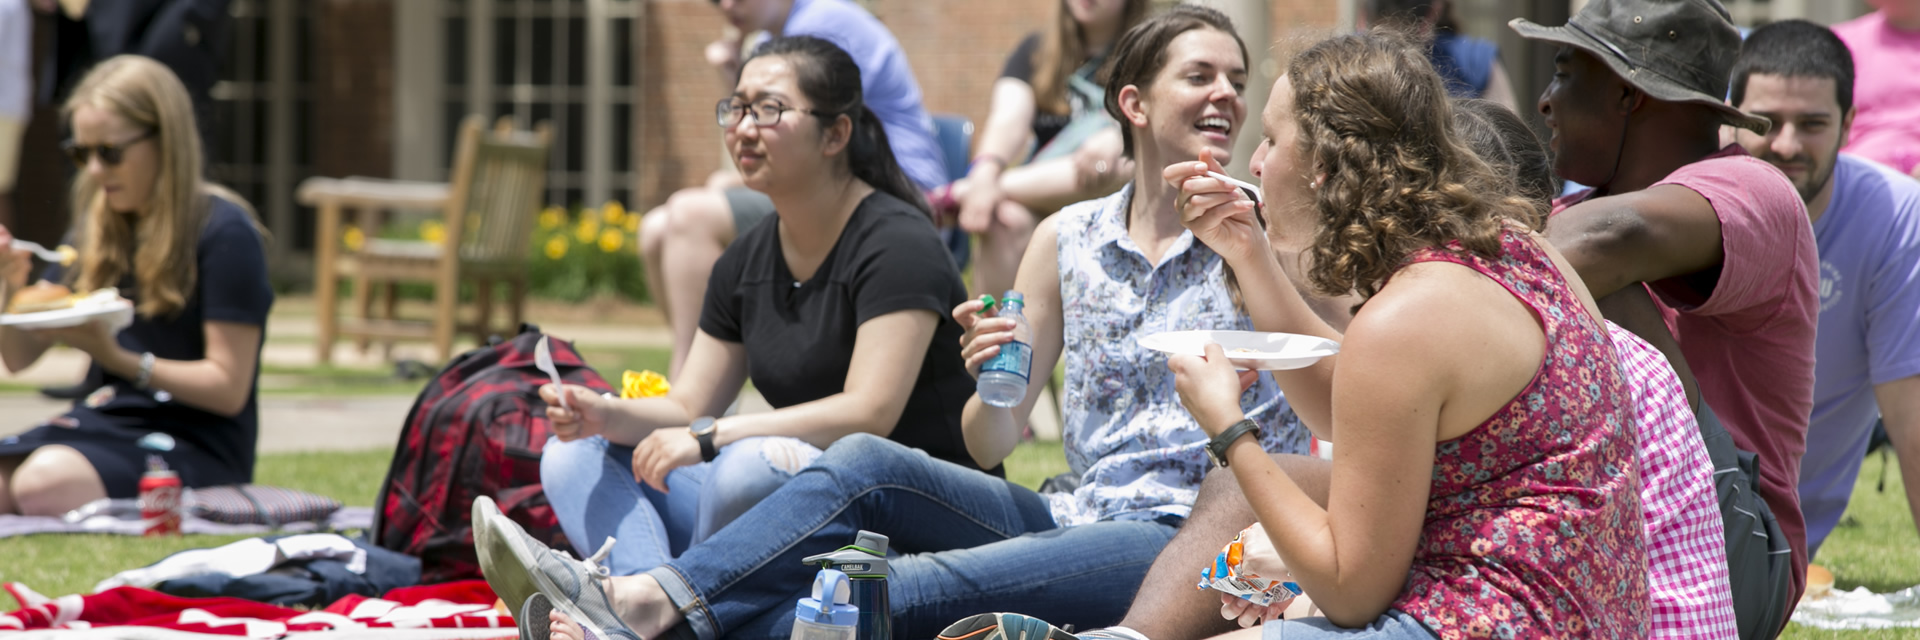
<point x="1242" y="350"/>
<point x="41" y="296"/>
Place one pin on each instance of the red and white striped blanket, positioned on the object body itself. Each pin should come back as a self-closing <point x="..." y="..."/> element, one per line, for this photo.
<point x="455" y="605"/>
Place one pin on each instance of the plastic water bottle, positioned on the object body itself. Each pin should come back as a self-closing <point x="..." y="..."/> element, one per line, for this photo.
<point x="1003" y="379"/>
<point x="827" y="615"/>
<point x="865" y="564"/>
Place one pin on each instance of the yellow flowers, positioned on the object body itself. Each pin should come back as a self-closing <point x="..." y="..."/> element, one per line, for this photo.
<point x="583" y="253"/>
<point x="354" y="238"/>
<point x="587" y="230"/>
<point x="643" y="384"/>
<point x="433" y="231"/>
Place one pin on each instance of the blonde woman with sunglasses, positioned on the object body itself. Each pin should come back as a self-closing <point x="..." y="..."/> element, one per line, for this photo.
<point x="191" y="258"/>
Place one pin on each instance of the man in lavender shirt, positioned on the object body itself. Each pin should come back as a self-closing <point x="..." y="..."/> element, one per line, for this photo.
<point x="1866" y="222"/>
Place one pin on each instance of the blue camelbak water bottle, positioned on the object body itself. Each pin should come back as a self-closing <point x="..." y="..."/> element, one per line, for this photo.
<point x="865" y="563"/>
<point x="827" y="615"/>
<point x="1003" y="379"/>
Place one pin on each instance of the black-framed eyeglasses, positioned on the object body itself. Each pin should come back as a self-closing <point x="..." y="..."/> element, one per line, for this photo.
<point x="766" y="112"/>
<point x="109" y="153"/>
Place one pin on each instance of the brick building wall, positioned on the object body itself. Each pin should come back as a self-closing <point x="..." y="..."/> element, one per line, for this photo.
<point x="353" y="88"/>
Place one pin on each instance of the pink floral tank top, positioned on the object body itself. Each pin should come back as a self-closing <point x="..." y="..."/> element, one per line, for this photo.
<point x="1533" y="525"/>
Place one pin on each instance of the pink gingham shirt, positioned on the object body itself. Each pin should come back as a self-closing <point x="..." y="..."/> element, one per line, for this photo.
<point x="1686" y="546"/>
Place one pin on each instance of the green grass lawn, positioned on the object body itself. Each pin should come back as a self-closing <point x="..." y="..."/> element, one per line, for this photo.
<point x="1875" y="545"/>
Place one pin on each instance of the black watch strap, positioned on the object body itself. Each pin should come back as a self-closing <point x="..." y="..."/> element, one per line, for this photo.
<point x="703" y="430"/>
<point x="1217" y="447"/>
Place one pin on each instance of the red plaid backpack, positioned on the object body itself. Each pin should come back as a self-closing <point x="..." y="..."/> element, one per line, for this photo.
<point x="476" y="430"/>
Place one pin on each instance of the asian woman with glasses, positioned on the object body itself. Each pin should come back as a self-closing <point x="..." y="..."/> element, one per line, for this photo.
<point x="834" y="307"/>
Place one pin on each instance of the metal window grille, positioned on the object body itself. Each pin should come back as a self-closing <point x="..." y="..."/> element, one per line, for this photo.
<point x="262" y="111"/>
<point x="566" y="62"/>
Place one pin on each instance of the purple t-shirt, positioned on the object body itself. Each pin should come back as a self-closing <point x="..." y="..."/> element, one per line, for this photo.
<point x="885" y="78"/>
<point x="1869" y="243"/>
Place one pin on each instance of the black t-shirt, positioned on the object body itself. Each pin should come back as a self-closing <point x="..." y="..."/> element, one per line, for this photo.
<point x="230" y="286"/>
<point x="799" y="336"/>
<point x="1020" y="67"/>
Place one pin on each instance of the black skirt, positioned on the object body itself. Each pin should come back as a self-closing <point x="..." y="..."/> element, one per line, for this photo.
<point x="118" y="445"/>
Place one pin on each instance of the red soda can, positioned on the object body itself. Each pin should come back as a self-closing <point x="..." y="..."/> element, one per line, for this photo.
<point x="160" y="505"/>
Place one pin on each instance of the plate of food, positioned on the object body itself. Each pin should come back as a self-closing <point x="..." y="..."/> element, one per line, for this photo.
<point x="45" y="305"/>
<point x="1259" y="350"/>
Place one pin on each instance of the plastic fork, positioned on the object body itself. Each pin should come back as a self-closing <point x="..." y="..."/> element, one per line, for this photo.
<point x="49" y="255"/>
<point x="543" y="359"/>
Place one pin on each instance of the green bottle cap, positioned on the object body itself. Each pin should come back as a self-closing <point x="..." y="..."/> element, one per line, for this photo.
<point x="986" y="299"/>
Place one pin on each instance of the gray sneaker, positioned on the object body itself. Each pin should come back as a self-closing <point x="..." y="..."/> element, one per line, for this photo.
<point x="518" y="567"/>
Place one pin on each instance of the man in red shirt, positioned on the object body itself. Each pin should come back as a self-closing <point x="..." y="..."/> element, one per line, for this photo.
<point x="1721" y="239"/>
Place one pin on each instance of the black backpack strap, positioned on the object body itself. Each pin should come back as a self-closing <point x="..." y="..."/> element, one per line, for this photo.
<point x="1759" y="559"/>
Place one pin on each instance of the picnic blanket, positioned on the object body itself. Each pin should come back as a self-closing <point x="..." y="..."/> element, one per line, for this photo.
<point x="120" y="523"/>
<point x="448" y="608"/>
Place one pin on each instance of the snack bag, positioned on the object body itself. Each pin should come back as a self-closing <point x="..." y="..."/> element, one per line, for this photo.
<point x="1227" y="575"/>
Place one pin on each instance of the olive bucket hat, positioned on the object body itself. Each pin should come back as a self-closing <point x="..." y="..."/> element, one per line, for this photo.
<point x="1673" y="50"/>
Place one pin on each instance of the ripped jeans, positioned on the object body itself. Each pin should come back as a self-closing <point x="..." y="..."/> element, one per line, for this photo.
<point x="591" y="486"/>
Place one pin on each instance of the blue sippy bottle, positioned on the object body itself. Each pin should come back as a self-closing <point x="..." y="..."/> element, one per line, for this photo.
<point x="827" y="615"/>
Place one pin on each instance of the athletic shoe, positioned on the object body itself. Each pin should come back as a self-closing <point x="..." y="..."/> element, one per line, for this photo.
<point x="518" y="567"/>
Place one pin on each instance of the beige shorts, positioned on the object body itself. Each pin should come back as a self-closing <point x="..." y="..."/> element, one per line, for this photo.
<point x="10" y="132"/>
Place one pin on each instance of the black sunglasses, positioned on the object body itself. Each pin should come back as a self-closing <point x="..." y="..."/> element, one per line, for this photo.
<point x="109" y="153"/>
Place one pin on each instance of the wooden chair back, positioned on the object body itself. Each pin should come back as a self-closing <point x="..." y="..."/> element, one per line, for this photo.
<point x="499" y="181"/>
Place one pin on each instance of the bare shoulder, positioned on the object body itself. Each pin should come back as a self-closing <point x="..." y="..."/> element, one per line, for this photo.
<point x="1049" y="231"/>
<point x="1437" y="310"/>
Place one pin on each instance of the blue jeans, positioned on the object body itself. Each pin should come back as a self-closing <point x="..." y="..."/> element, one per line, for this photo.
<point x="971" y="542"/>
<point x="591" y="486"/>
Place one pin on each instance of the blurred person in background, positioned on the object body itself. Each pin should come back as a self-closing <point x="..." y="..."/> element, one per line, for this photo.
<point x="16" y="95"/>
<point x="1886" y="47"/>
<point x="1046" y="142"/>
<point x="189" y="37"/>
<point x="1469" y="65"/>
<point x="180" y="381"/>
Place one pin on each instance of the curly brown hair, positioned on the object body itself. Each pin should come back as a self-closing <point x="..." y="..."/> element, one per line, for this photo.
<point x="1375" y="120"/>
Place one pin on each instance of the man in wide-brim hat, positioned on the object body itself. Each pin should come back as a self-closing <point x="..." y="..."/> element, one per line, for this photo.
<point x="1721" y="239"/>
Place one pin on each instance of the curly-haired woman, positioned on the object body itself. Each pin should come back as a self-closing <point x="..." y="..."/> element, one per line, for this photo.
<point x="1485" y="482"/>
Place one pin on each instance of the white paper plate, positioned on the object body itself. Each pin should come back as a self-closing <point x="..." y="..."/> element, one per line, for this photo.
<point x="105" y="303"/>
<point x="1247" y="349"/>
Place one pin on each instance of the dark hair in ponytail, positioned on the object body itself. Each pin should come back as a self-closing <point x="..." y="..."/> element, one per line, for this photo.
<point x="831" y="80"/>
